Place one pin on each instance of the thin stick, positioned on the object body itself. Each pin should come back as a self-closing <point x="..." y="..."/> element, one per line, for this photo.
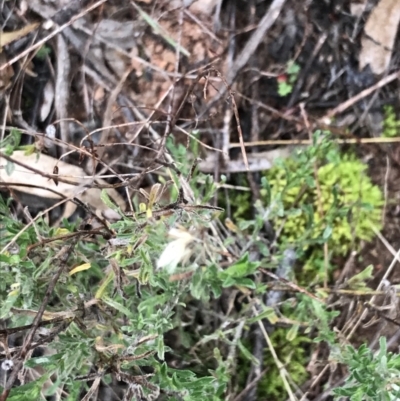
<point x="291" y="285"/>
<point x="350" y="102"/>
<point x="235" y="110"/>
<point x="319" y="193"/>
<point x="384" y="241"/>
<point x="381" y="283"/>
<point x="249" y="48"/>
<point x="385" y="190"/>
<point x="282" y="371"/>
<point x="259" y="34"/>
<point x="62" y="87"/>
<point x="308" y="142"/>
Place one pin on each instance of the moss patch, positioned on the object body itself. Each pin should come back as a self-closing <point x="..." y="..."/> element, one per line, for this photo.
<point x="341" y="206"/>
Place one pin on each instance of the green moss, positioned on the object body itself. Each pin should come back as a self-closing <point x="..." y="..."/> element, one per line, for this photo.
<point x="391" y="125"/>
<point x="239" y="201"/>
<point x="293" y="355"/>
<point x="349" y="202"/>
<point x="339" y="207"/>
<point x="317" y="196"/>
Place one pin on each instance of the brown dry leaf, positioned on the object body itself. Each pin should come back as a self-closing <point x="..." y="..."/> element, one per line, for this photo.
<point x="8" y="37"/>
<point x="5" y="39"/>
<point x="91" y="196"/>
<point x="379" y="35"/>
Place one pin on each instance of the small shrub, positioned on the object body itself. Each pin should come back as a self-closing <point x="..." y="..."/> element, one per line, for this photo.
<point x="371" y="377"/>
<point x="288" y="79"/>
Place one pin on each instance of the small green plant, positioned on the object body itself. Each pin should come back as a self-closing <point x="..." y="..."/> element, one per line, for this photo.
<point x="43" y="52"/>
<point x="322" y="196"/>
<point x="11" y="142"/>
<point x="287" y="80"/>
<point x="339" y="204"/>
<point x="391" y="124"/>
<point x="371" y="377"/>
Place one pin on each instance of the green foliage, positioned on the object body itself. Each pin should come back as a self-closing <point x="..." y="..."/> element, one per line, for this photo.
<point x="131" y="299"/>
<point x="358" y="281"/>
<point x="43" y="52"/>
<point x="391" y="124"/>
<point x="319" y="196"/>
<point x="371" y="377"/>
<point x="11" y="142"/>
<point x="143" y="314"/>
<point x="338" y="205"/>
<point x="28" y="392"/>
<point x="322" y="196"/>
<point x="293" y="345"/>
<point x="294" y="356"/>
<point x="145" y="304"/>
<point x="241" y="205"/>
<point x="286" y="81"/>
<point x="317" y="316"/>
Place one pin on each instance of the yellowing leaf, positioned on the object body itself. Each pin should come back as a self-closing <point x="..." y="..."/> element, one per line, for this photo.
<point x="8" y="37"/>
<point x="243" y="290"/>
<point x="101" y="347"/>
<point x="358" y="281"/>
<point x="231" y="226"/>
<point x="154" y="194"/>
<point x="80" y="268"/>
<point x="292" y="333"/>
<point x="101" y="291"/>
<point x="61" y="231"/>
<point x="132" y="273"/>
